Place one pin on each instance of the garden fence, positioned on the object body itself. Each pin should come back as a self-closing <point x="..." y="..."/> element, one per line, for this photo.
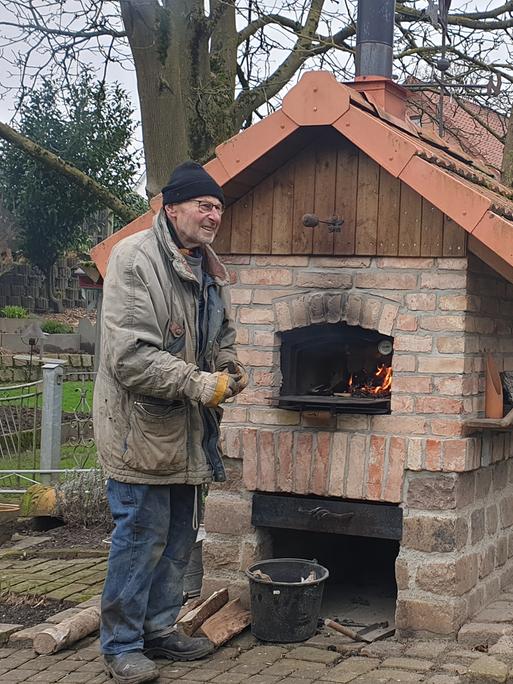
<point x="46" y="428"/>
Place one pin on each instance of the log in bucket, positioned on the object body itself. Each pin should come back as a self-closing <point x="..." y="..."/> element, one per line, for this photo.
<point x="286" y="607"/>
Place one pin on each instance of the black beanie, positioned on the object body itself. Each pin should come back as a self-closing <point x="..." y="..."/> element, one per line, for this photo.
<point x="190" y="180"/>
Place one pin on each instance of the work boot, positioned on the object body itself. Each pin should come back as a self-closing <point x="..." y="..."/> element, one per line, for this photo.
<point x="178" y="646"/>
<point x="132" y="667"/>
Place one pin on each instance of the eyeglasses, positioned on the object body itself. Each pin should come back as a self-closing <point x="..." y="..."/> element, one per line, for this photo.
<point x="207" y="207"/>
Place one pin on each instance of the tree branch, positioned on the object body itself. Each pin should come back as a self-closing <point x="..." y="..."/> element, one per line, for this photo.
<point x="476" y="20"/>
<point x="266" y="19"/>
<point x="47" y="30"/>
<point x="52" y="161"/>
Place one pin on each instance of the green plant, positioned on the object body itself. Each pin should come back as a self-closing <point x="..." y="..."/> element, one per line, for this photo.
<point x="14" y="312"/>
<point x="56" y="328"/>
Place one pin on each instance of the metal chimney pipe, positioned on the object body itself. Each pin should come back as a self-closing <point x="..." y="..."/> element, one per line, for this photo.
<point x="375" y="38"/>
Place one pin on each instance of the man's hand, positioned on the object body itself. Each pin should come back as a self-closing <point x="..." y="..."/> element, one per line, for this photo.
<point x="225" y="387"/>
<point x="238" y="374"/>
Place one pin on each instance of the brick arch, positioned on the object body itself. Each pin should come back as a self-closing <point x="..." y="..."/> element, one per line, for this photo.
<point x="363" y="309"/>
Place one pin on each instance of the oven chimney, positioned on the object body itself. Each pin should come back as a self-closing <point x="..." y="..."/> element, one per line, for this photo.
<point x="375" y="38"/>
<point x="374" y="56"/>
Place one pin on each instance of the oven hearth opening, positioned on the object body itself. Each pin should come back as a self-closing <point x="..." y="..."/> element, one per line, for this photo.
<point x="342" y="368"/>
<point x="361" y="589"/>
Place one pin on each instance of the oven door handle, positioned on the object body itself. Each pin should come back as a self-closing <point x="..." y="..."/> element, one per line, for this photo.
<point x="320" y="513"/>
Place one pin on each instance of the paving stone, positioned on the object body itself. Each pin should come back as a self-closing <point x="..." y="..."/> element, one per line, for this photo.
<point x="201" y="675"/>
<point x="295" y="680"/>
<point x="311" y="669"/>
<point x="217" y="666"/>
<point x="444" y="679"/>
<point x="477" y="633"/>
<point x="504" y="646"/>
<point x="69" y="590"/>
<point x="26" y="542"/>
<point x="350" y="669"/>
<point x="266" y="654"/>
<point x="46" y="676"/>
<point x="6" y="630"/>
<point x="487" y="669"/>
<point x="229" y="678"/>
<point x="384" y="649"/>
<point x="247" y="668"/>
<point x="22" y="676"/>
<point x="415" y="664"/>
<point x="463" y="653"/>
<point x="328" y="638"/>
<point x="283" y="667"/>
<point x="457" y="668"/>
<point x="312" y="654"/>
<point x="372" y="678"/>
<point x="350" y="649"/>
<point x="498" y="611"/>
<point x="263" y="679"/>
<point x="427" y="649"/>
<point x="244" y="640"/>
<point x="401" y="675"/>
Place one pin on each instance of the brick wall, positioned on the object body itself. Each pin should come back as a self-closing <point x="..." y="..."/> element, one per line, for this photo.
<point x="457" y="546"/>
<point x="422" y="304"/>
<point x="14" y="370"/>
<point x="25" y="286"/>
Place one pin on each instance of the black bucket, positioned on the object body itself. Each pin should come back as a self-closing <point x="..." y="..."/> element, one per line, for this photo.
<point x="285" y="609"/>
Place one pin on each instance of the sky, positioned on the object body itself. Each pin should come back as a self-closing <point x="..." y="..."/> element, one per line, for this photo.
<point x="126" y="76"/>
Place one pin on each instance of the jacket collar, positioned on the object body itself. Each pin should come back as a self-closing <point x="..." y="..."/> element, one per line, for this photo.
<point x="212" y="264"/>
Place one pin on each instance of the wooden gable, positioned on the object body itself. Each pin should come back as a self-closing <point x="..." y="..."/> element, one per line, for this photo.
<point x="382" y="215"/>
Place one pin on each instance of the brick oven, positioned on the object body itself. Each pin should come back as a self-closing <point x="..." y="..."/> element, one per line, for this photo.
<point x="405" y="284"/>
<point x="416" y="286"/>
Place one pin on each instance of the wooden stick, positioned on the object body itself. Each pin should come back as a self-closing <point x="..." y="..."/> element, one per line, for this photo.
<point x="226" y="623"/>
<point x="55" y="638"/>
<point x="195" y="618"/>
<point x="345" y="630"/>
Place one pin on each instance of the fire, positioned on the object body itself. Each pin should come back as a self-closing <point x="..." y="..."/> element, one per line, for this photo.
<point x="378" y="384"/>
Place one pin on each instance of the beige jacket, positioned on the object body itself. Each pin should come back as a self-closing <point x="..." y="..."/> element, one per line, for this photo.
<point x="150" y="422"/>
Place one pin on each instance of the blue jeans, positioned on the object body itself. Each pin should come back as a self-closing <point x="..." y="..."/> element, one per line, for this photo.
<point x="151" y="546"/>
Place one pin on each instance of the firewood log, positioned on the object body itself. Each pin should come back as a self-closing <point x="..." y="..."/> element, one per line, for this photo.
<point x="56" y="637"/>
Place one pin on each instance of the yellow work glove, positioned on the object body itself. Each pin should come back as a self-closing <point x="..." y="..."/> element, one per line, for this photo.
<point x="238" y="373"/>
<point x="225" y="388"/>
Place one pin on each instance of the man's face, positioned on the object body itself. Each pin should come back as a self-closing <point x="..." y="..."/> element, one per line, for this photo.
<point x="195" y="226"/>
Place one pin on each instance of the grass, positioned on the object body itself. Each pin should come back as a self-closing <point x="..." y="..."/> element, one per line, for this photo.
<point x="70" y="396"/>
<point x="85" y="454"/>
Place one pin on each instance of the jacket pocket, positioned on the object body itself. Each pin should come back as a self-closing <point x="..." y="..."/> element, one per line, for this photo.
<point x="156" y="443"/>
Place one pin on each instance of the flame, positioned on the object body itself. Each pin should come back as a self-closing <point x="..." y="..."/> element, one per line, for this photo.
<point x="379" y="384"/>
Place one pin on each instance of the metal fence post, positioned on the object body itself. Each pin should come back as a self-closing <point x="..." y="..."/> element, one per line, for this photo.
<point x="51" y="419"/>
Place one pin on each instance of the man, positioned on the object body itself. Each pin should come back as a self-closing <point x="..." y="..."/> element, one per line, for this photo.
<point x="167" y="362"/>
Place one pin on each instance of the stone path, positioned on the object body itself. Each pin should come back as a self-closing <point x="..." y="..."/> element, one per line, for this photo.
<point x="24" y="569"/>
<point x="483" y="653"/>
<point x="246" y="661"/>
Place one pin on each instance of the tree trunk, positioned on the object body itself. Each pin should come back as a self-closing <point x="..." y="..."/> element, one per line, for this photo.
<point x="154" y="45"/>
<point x="507" y="157"/>
<point x="185" y="91"/>
<point x="53" y="302"/>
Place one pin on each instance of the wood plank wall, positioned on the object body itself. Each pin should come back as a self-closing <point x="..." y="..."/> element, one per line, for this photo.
<point x="382" y="216"/>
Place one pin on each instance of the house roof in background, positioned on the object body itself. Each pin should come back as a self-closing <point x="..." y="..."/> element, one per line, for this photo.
<point x="458" y="184"/>
<point x="468" y="125"/>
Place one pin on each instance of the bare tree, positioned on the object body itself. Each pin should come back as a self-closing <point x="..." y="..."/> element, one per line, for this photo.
<point x="203" y="74"/>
